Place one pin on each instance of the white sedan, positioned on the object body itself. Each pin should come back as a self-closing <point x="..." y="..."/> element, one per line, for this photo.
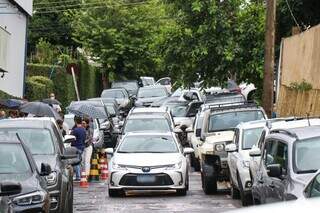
<point x="148" y="161"/>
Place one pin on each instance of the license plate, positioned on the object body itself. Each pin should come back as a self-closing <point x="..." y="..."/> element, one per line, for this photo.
<point x="146" y="178"/>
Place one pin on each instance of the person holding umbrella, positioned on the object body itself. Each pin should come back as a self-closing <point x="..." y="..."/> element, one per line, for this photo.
<point x="80" y="133"/>
<point x="88" y="145"/>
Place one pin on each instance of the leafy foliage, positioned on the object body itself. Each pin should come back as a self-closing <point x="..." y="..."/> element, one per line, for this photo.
<point x="38" y="87"/>
<point x="302" y="86"/>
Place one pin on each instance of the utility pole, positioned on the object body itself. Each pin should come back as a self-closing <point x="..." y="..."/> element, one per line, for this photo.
<point x="268" y="81"/>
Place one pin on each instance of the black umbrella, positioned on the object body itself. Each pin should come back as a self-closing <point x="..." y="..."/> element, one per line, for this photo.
<point x="86" y="109"/>
<point x="51" y="101"/>
<point x="11" y="103"/>
<point x="40" y="109"/>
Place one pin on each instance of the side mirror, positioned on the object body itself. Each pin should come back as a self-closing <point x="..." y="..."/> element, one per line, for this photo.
<point x="274" y="170"/>
<point x="69" y="139"/>
<point x="255" y="152"/>
<point x="7" y="189"/>
<point x="198" y="133"/>
<point x="231" y="148"/>
<point x="202" y="138"/>
<point x="72" y="156"/>
<point x="45" y="169"/>
<point x="105" y="125"/>
<point x="188" y="150"/>
<point x="109" y="151"/>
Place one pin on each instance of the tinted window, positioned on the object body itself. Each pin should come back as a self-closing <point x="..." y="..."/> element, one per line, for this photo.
<point x="39" y="141"/>
<point x="230" y="120"/>
<point x="177" y="110"/>
<point x="251" y="137"/>
<point x="151" y="92"/>
<point x="147" y="124"/>
<point x="13" y="159"/>
<point x="148" y="144"/>
<point x="306" y="155"/>
<point x="118" y="94"/>
<point x="276" y="153"/>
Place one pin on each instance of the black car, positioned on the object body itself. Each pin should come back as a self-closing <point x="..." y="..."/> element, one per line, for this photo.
<point x="122" y="97"/>
<point x="17" y="165"/>
<point x="45" y="142"/>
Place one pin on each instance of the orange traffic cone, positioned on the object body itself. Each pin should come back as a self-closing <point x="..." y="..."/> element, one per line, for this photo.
<point x="83" y="180"/>
<point x="104" y="169"/>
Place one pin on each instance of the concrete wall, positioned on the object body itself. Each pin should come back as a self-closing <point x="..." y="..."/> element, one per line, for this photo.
<point x="15" y="24"/>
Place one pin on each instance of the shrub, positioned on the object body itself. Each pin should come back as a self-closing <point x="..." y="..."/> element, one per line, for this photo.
<point x="38" y="87"/>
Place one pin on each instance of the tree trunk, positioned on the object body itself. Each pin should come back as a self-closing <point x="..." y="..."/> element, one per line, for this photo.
<point x="105" y="80"/>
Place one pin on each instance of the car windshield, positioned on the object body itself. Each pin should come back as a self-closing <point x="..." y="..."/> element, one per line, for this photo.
<point x="148" y="144"/>
<point x="251" y="137"/>
<point x="177" y="110"/>
<point x="151" y="92"/>
<point x="229" y="120"/>
<point x="117" y="94"/>
<point x="39" y="141"/>
<point x="306" y="155"/>
<point x="13" y="159"/>
<point x="177" y="93"/>
<point x="130" y="86"/>
<point x="147" y="124"/>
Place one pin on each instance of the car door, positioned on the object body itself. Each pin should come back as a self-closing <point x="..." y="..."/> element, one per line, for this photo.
<point x="233" y="158"/>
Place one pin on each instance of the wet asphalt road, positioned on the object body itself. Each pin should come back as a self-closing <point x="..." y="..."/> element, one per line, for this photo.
<point x="95" y="199"/>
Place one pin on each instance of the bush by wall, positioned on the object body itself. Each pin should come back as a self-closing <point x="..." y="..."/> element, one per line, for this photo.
<point x="4" y="95"/>
<point x="38" y="87"/>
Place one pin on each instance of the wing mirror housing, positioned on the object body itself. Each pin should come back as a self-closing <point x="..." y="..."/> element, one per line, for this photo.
<point x="188" y="150"/>
<point x="198" y="133"/>
<point x="231" y="148"/>
<point x="274" y="170"/>
<point x="189" y="129"/>
<point x="45" y="169"/>
<point x="69" y="139"/>
<point x="255" y="152"/>
<point x="71" y="155"/>
<point x="8" y="189"/>
<point x="109" y="151"/>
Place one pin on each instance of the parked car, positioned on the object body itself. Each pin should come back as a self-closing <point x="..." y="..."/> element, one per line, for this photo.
<point x="289" y="160"/>
<point x="219" y="122"/>
<point x="166" y="81"/>
<point x="148" y="95"/>
<point x="131" y="86"/>
<point x="192" y="94"/>
<point x="224" y="97"/>
<point x="312" y="189"/>
<point x="148" y="161"/>
<point x="121" y="95"/>
<point x="45" y="142"/>
<point x="17" y="165"/>
<point x="147" y="81"/>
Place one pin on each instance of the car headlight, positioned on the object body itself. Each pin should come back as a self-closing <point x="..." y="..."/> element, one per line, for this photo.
<point x="29" y="199"/>
<point x="246" y="164"/>
<point x="119" y="167"/>
<point x="51" y="179"/>
<point x="174" y="166"/>
<point x="219" y="147"/>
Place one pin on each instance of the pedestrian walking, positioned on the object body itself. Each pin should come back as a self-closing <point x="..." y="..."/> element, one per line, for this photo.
<point x="88" y="145"/>
<point x="80" y="133"/>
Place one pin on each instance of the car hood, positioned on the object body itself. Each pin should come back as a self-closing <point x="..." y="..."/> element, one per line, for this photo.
<point x="221" y="136"/>
<point x="29" y="182"/>
<point x="49" y="159"/>
<point x="153" y="99"/>
<point x="147" y="159"/>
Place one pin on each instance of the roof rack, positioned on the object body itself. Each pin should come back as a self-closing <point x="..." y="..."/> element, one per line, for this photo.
<point x="231" y="105"/>
<point x="284" y="131"/>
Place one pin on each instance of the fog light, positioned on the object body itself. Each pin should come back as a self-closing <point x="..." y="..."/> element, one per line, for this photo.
<point x="248" y="184"/>
<point x="53" y="203"/>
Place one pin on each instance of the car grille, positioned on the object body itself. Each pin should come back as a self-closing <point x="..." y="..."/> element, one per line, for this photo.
<point x="159" y="180"/>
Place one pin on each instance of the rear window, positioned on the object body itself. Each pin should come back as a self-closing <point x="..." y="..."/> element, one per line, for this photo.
<point x="117" y="94"/>
<point x="13" y="159"/>
<point x="147" y="124"/>
<point x="152" y="92"/>
<point x="229" y="120"/>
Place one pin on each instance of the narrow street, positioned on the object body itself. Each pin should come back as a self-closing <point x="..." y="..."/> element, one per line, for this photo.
<point x="96" y="199"/>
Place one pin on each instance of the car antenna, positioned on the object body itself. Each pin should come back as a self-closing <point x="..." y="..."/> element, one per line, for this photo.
<point x="308" y="119"/>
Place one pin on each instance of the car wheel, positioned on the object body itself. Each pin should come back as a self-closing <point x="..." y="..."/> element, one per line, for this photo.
<point x="209" y="184"/>
<point x="246" y="198"/>
<point x="116" y="192"/>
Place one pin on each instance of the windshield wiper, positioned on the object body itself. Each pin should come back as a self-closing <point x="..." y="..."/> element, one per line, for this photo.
<point x="124" y="152"/>
<point x="307" y="171"/>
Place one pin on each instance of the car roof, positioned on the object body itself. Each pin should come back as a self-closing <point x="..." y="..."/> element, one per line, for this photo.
<point x="151" y="133"/>
<point x="149" y="110"/>
<point x="147" y="116"/>
<point x="300" y="133"/>
<point x="152" y="87"/>
<point x="43" y="122"/>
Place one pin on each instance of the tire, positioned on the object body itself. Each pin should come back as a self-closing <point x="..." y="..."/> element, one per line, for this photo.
<point x="246" y="198"/>
<point x="209" y="184"/>
<point x="116" y="192"/>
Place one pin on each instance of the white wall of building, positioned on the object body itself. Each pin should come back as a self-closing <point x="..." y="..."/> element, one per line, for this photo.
<point x="15" y="25"/>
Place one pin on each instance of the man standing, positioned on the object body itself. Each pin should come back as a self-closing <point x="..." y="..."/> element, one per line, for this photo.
<point x="88" y="145"/>
<point x="80" y="133"/>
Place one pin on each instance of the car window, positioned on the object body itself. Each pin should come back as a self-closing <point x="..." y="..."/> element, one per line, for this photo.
<point x="276" y="152"/>
<point x="251" y="137"/>
<point x="147" y="124"/>
<point x="148" y="144"/>
<point x="111" y="110"/>
<point x="230" y="120"/>
<point x="13" y="159"/>
<point x="117" y="94"/>
<point x="315" y="187"/>
<point x="164" y="81"/>
<point x="306" y="155"/>
<point x="177" y="110"/>
<point x="151" y="92"/>
<point x="39" y="141"/>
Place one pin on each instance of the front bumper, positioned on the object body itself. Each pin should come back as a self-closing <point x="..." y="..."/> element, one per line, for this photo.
<point x="55" y="201"/>
<point x="41" y="207"/>
<point x="163" y="179"/>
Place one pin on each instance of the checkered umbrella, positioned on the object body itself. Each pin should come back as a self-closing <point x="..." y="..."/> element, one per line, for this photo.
<point x="85" y="109"/>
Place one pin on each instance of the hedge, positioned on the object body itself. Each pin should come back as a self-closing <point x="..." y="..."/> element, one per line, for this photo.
<point x="38" y="87"/>
<point x="4" y="95"/>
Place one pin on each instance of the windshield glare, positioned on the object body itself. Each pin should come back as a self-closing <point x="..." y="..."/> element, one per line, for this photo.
<point x="148" y="144"/>
<point x="149" y="124"/>
<point x="251" y="137"/>
<point x="306" y="154"/>
<point x="117" y="94"/>
<point x="152" y="92"/>
<point x="230" y="120"/>
<point x="13" y="159"/>
<point x="39" y="141"/>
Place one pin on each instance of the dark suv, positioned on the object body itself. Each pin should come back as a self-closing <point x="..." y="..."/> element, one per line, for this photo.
<point x="45" y="142"/>
<point x="27" y="191"/>
<point x="289" y="159"/>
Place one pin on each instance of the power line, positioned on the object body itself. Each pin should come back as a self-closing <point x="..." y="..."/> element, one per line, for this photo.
<point x="292" y="15"/>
